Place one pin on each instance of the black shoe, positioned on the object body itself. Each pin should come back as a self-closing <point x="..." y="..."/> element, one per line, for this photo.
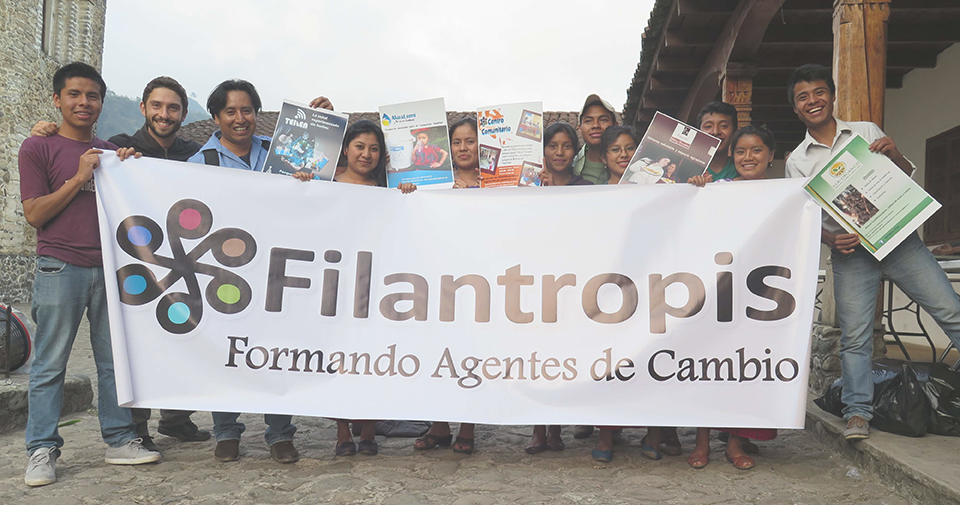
<point x="147" y="442"/>
<point x="284" y="452"/>
<point x="186" y="432"/>
<point x="227" y="450"/>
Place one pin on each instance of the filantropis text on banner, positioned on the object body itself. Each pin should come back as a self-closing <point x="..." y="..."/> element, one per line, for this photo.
<point x="626" y="305"/>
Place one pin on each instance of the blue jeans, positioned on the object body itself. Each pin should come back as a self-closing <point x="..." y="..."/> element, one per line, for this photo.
<point x="279" y="427"/>
<point x="856" y="283"/>
<point x="61" y="292"/>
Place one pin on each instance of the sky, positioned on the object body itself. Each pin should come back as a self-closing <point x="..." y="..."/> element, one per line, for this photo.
<point x="366" y="53"/>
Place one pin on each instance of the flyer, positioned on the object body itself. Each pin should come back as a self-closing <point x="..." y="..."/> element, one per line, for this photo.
<point x="306" y="140"/>
<point x="869" y="195"/>
<point x="670" y="152"/>
<point x="418" y="144"/>
<point x="511" y="144"/>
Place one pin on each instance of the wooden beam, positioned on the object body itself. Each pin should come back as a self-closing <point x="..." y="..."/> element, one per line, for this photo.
<point x="741" y="36"/>
<point x="860" y="58"/>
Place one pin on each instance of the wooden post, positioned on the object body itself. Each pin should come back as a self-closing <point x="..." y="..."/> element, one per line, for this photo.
<point x="738" y="90"/>
<point x="860" y="58"/>
<point x="860" y="71"/>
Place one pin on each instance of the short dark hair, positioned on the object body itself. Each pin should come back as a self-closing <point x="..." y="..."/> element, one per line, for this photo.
<point x="558" y="127"/>
<point x="467" y="121"/>
<point x="77" y="69"/>
<point x="718" y="107"/>
<point x="218" y="97"/>
<point x="366" y="126"/>
<point x="169" y="83"/>
<point x="611" y="134"/>
<point x="809" y="73"/>
<point x="765" y="135"/>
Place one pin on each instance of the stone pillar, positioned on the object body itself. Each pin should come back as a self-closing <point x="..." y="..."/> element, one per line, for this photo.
<point x="860" y="58"/>
<point x="738" y="90"/>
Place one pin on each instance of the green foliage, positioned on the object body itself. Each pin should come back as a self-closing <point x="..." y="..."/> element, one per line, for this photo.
<point x="121" y="114"/>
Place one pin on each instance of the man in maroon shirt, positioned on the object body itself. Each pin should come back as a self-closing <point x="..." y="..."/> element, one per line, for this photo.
<point x="57" y="191"/>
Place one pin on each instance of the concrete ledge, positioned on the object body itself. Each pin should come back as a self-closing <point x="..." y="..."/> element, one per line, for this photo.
<point x="77" y="397"/>
<point x="924" y="468"/>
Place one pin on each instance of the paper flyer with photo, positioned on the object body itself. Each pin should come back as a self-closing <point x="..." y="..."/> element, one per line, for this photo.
<point x="418" y="144"/>
<point x="306" y="140"/>
<point x="511" y="144"/>
<point x="870" y="196"/>
<point x="670" y="152"/>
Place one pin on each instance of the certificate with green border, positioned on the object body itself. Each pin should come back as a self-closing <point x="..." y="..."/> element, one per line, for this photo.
<point x="870" y="196"/>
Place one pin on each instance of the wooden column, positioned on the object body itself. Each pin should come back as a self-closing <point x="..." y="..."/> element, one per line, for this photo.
<point x="860" y="58"/>
<point x="738" y="90"/>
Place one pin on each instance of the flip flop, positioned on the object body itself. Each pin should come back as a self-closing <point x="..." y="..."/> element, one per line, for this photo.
<point x="468" y="442"/>
<point x="431" y="441"/>
<point x="536" y="448"/>
<point x="602" y="456"/>
<point x="700" y="461"/>
<point x="742" y="462"/>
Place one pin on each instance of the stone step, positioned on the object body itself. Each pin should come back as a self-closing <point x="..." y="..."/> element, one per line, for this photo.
<point x="77" y="397"/>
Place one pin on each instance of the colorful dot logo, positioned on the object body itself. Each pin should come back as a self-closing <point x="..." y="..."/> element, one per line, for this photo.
<point x="177" y="312"/>
<point x="385" y="121"/>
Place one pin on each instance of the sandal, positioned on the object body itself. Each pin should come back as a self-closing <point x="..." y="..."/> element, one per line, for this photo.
<point x="346" y="449"/>
<point x="698" y="460"/>
<point x="748" y="446"/>
<point x="368" y="447"/>
<point x="536" y="448"/>
<point x="649" y="451"/>
<point x="741" y="462"/>
<point x="428" y="442"/>
<point x="556" y="447"/>
<point x="464" y="442"/>
<point x="670" y="444"/>
<point x="602" y="456"/>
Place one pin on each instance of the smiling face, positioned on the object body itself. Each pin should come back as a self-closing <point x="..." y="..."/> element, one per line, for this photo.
<point x="594" y="122"/>
<point x="671" y="168"/>
<point x="752" y="157"/>
<point x="80" y="102"/>
<point x="163" y="112"/>
<point x="238" y="120"/>
<point x="720" y="126"/>
<point x="558" y="152"/>
<point x="363" y="154"/>
<point x="619" y="153"/>
<point x="813" y="102"/>
<point x="463" y="144"/>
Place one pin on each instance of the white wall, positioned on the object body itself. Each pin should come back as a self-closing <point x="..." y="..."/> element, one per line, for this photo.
<point x="926" y="106"/>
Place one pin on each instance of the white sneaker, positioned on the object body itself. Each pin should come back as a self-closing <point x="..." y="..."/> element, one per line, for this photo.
<point x="131" y="453"/>
<point x="42" y="468"/>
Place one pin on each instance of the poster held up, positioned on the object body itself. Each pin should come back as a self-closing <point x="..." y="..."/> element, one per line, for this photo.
<point x="670" y="152"/>
<point x="511" y="144"/>
<point x="870" y="196"/>
<point x="418" y="144"/>
<point x="306" y="140"/>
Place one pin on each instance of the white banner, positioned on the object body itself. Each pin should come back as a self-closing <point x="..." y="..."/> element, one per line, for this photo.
<point x="623" y="305"/>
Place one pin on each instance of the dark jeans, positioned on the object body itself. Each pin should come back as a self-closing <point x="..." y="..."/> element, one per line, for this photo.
<point x="168" y="419"/>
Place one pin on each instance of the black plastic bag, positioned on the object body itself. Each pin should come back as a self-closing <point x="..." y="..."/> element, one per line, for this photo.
<point x="942" y="388"/>
<point x="900" y="401"/>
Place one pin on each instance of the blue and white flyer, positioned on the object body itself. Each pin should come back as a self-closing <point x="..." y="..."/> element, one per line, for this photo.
<point x="306" y="140"/>
<point x="418" y="144"/>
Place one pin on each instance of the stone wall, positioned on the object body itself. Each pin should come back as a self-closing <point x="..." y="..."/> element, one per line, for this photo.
<point x="37" y="37"/>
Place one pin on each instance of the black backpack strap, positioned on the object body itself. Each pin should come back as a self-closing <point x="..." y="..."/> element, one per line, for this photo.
<point x="266" y="144"/>
<point x="211" y="157"/>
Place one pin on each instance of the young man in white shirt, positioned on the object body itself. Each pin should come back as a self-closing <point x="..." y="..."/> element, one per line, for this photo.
<point x="857" y="273"/>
